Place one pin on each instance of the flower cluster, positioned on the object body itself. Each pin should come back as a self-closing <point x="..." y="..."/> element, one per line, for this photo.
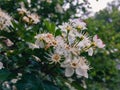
<point x="28" y="17"/>
<point x="45" y="40"/>
<point x="5" y="20"/>
<point x="69" y="46"/>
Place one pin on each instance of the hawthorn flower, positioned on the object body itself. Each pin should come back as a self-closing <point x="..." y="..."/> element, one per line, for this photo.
<point x="60" y="47"/>
<point x="26" y="19"/>
<point x="22" y="10"/>
<point x="98" y="42"/>
<point x="45" y="40"/>
<point x="8" y="42"/>
<point x="39" y="42"/>
<point x="77" y="65"/>
<point x="63" y="48"/>
<point x="54" y="58"/>
<point x="78" y="24"/>
<point x="72" y="36"/>
<point x="70" y="50"/>
<point x="84" y="41"/>
<point x="65" y="27"/>
<point x="33" y="18"/>
<point x="5" y="20"/>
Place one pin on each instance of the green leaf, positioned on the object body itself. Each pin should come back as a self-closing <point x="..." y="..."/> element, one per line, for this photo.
<point x="50" y="26"/>
<point x="58" y="32"/>
<point x="50" y="86"/>
<point x="30" y="82"/>
<point x="4" y="74"/>
<point x="77" y="85"/>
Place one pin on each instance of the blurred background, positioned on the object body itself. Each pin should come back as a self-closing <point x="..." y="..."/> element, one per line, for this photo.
<point x="102" y="18"/>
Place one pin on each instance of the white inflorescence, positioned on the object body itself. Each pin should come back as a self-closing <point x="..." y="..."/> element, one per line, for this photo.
<point x="28" y="17"/>
<point x="5" y="20"/>
<point x="70" y="44"/>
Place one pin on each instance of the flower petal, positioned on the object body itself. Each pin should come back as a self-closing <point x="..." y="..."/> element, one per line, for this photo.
<point x="95" y="38"/>
<point x="69" y="72"/>
<point x="90" y="51"/>
<point x="81" y="72"/>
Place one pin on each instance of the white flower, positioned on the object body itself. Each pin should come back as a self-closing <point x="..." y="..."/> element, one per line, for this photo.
<point x="60" y="47"/>
<point x="65" y="27"/>
<point x="54" y="57"/>
<point x="8" y="42"/>
<point x="14" y="81"/>
<point x="78" y="23"/>
<point x="34" y="18"/>
<point x="22" y="10"/>
<point x="45" y="40"/>
<point x="39" y="42"/>
<point x="1" y="65"/>
<point x="85" y="41"/>
<point x="77" y="65"/>
<point x="5" y="20"/>
<point x="26" y="19"/>
<point x="98" y="42"/>
<point x="73" y="34"/>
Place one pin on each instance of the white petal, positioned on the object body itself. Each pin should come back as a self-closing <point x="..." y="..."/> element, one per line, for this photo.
<point x="90" y="51"/>
<point x="42" y="44"/>
<point x="81" y="72"/>
<point x="85" y="74"/>
<point x="100" y="44"/>
<point x="95" y="38"/>
<point x="39" y="43"/>
<point x="69" y="72"/>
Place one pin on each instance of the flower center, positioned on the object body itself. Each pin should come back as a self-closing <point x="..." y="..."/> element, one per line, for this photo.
<point x="93" y="44"/>
<point x="79" y="27"/>
<point x="40" y="38"/>
<point x="54" y="43"/>
<point x="68" y="28"/>
<point x="50" y="36"/>
<point x="56" y="57"/>
<point x="73" y="64"/>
